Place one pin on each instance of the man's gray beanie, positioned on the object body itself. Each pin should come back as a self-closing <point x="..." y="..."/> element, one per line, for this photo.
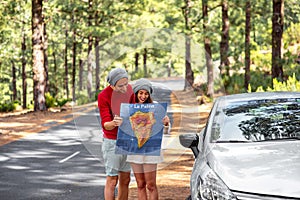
<point x="143" y="84"/>
<point x="116" y="74"/>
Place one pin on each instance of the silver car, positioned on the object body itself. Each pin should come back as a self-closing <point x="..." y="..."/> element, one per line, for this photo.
<point x="249" y="148"/>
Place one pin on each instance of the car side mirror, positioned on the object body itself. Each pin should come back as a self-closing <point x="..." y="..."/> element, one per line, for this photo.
<point x="190" y="141"/>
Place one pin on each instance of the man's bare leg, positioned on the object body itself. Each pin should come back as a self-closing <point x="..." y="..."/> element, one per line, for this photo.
<point x="123" y="188"/>
<point x="109" y="190"/>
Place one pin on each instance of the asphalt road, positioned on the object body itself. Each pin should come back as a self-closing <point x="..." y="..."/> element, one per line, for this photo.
<point x="64" y="162"/>
<point x="50" y="165"/>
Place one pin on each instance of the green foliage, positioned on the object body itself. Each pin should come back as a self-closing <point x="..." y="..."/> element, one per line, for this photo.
<point x="261" y="59"/>
<point x="82" y="99"/>
<point x="260" y="78"/>
<point x="30" y="106"/>
<point x="235" y="84"/>
<point x="9" y="106"/>
<point x="50" y="100"/>
<point x="291" y="84"/>
<point x="61" y="102"/>
<point x="137" y="75"/>
<point x="53" y="102"/>
<point x="291" y="36"/>
<point x="96" y="94"/>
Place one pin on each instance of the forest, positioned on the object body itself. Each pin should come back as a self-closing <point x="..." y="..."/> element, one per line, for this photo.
<point x="57" y="51"/>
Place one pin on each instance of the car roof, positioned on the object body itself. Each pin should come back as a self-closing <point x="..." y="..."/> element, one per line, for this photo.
<point x="258" y="96"/>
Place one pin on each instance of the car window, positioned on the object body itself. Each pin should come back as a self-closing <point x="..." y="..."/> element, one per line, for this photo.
<point x="257" y="120"/>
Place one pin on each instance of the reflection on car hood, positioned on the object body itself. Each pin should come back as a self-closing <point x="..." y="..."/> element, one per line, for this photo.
<point x="261" y="168"/>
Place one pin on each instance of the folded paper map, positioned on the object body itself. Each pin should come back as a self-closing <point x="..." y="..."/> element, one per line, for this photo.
<point x="141" y="124"/>
<point x="142" y="128"/>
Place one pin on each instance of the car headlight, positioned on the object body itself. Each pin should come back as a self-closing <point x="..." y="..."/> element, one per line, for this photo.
<point x="206" y="185"/>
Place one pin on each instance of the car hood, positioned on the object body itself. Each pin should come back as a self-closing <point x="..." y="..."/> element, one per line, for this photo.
<point x="262" y="168"/>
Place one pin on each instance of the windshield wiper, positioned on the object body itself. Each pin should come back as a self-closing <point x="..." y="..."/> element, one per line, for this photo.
<point x="232" y="141"/>
<point x="280" y="139"/>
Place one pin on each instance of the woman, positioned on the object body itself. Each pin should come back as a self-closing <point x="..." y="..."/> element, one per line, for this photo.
<point x="145" y="166"/>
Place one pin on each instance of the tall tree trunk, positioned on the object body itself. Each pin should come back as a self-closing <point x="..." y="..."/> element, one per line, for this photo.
<point x="169" y="67"/>
<point x="80" y="74"/>
<point x="189" y="74"/>
<point x="14" y="81"/>
<point x="90" y="47"/>
<point x="39" y="75"/>
<point x="89" y="70"/>
<point x="55" y="73"/>
<point x="97" y="54"/>
<point x="66" y="79"/>
<point x="145" y="63"/>
<point x="247" y="44"/>
<point x="254" y="32"/>
<point x="74" y="45"/>
<point x="46" y="65"/>
<point x="97" y="59"/>
<point x="80" y="67"/>
<point x="224" y="45"/>
<point x="24" y="76"/>
<point x="277" y="31"/>
<point x="136" y="62"/>
<point x="208" y="57"/>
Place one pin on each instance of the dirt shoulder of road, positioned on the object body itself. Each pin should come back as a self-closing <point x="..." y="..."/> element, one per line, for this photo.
<point x="172" y="178"/>
<point x="18" y="124"/>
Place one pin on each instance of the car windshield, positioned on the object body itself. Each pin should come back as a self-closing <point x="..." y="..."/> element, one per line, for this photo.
<point x="257" y="120"/>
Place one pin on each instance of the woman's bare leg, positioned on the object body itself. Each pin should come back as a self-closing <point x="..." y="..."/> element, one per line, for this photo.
<point x="150" y="177"/>
<point x="140" y="180"/>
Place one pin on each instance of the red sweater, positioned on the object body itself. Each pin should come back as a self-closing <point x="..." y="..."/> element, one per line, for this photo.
<point x="109" y="103"/>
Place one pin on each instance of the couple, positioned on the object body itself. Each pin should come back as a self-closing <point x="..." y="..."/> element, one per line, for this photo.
<point x="118" y="166"/>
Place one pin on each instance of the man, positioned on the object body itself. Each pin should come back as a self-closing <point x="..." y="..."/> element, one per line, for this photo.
<point x="109" y="102"/>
